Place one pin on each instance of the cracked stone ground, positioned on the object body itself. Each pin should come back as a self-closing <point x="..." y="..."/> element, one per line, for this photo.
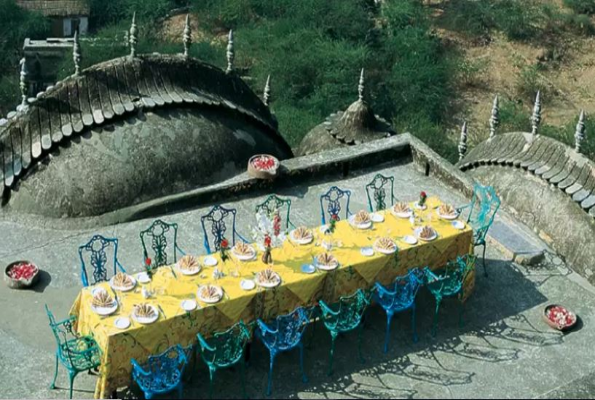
<point x="503" y="350"/>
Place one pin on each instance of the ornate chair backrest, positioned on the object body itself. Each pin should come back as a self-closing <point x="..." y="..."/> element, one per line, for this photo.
<point x="333" y="198"/>
<point x="405" y="288"/>
<point x="160" y="237"/>
<point x="287" y="330"/>
<point x="167" y="367"/>
<point x="378" y="191"/>
<point x="484" y="205"/>
<point x="275" y="203"/>
<point x="100" y="253"/>
<point x="217" y="220"/>
<point x="226" y="348"/>
<point x="63" y="332"/>
<point x="350" y="312"/>
<point x="451" y="279"/>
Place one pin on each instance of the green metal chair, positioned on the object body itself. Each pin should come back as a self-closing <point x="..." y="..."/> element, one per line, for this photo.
<point x="158" y="234"/>
<point x="273" y="203"/>
<point x="378" y="188"/>
<point x="343" y="317"/>
<point x="448" y="283"/>
<point x="223" y="350"/>
<point x="76" y="353"/>
<point x="482" y="210"/>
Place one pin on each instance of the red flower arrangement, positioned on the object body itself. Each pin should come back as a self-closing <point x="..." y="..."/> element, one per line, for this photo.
<point x="148" y="267"/>
<point x="22" y="271"/>
<point x="422" y="199"/>
<point x="224" y="246"/>
<point x="263" y="163"/>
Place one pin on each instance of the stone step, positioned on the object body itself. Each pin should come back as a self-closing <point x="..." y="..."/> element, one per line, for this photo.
<point x="516" y="241"/>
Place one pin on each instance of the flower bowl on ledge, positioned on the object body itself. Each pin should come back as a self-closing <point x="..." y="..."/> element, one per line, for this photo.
<point x="559" y="317"/>
<point x="263" y="166"/>
<point x="21" y="274"/>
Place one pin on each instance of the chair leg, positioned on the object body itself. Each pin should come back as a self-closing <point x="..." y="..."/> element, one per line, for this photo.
<point x="389" y="317"/>
<point x="435" y="324"/>
<point x="413" y="324"/>
<point x="53" y="385"/>
<point x="180" y="391"/>
<point x="248" y="353"/>
<point x="304" y="377"/>
<point x="270" y="381"/>
<point x="330" y="365"/>
<point x="243" y="379"/>
<point x="360" y="334"/>
<point x="461" y="310"/>
<point x="485" y="270"/>
<point x="71" y="375"/>
<point x="211" y="378"/>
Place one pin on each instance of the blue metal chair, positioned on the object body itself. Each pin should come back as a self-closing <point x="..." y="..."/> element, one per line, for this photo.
<point x="482" y="210"/>
<point x="284" y="334"/>
<point x="343" y="317"/>
<point x="333" y="198"/>
<point x="448" y="283"/>
<point x="378" y="188"/>
<point x="275" y="203"/>
<point x="399" y="297"/>
<point x="76" y="353"/>
<point x="158" y="234"/>
<point x="218" y="218"/>
<point x="98" y="251"/>
<point x="161" y="373"/>
<point x="223" y="350"/>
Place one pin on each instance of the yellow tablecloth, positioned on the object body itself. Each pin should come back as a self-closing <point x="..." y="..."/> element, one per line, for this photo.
<point x="177" y="326"/>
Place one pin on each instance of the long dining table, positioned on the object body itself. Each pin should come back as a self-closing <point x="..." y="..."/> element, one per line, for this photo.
<point x="170" y="288"/>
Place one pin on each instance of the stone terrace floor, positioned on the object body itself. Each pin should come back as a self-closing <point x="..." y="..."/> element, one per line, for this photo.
<point x="504" y="350"/>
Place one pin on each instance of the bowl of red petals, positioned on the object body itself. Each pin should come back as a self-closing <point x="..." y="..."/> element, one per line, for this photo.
<point x="21" y="274"/>
<point x="559" y="317"/>
<point x="263" y="166"/>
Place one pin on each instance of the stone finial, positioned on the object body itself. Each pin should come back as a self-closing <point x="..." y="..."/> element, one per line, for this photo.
<point x="463" y="141"/>
<point x="579" y="135"/>
<point x="133" y="39"/>
<point x="76" y="54"/>
<point x="360" y="86"/>
<point x="266" y="96"/>
<point x="536" y="117"/>
<point x="230" y="52"/>
<point x="23" y="83"/>
<point x="187" y="36"/>
<point x="495" y="118"/>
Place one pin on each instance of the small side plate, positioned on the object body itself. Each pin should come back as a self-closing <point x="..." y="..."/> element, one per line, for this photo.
<point x="377" y="217"/>
<point x="143" y="277"/>
<point x="410" y="239"/>
<point x="458" y="225"/>
<point x="188" y="304"/>
<point x="247" y="284"/>
<point x="308" y="269"/>
<point x="209" y="261"/>
<point x="367" y="251"/>
<point x="122" y="322"/>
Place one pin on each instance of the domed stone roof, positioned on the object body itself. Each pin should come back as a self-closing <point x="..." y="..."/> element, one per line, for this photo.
<point x="131" y="130"/>
<point x="356" y="125"/>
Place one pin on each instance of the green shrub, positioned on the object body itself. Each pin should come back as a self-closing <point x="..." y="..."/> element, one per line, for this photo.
<point x="581" y="6"/>
<point x="530" y="81"/>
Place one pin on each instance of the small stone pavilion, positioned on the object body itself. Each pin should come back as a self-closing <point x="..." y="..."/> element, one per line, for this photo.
<point x="117" y="145"/>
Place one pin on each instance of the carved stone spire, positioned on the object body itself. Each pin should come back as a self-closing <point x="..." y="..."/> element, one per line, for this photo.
<point x="266" y="96"/>
<point x="187" y="36"/>
<point x="76" y="54"/>
<point x="133" y="39"/>
<point x="23" y="83"/>
<point x="495" y="118"/>
<point x="360" y="86"/>
<point x="579" y="135"/>
<point x="463" y="141"/>
<point x="230" y="52"/>
<point x="536" y="117"/>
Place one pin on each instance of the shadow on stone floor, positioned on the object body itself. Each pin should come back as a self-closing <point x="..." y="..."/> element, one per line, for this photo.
<point x="494" y="331"/>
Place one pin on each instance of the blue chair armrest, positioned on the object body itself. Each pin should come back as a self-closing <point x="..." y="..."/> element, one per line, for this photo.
<point x="203" y="343"/>
<point x="180" y="250"/>
<point x="430" y="276"/>
<point x="120" y="266"/>
<point x="241" y="237"/>
<point x="326" y="309"/>
<point x="138" y="369"/>
<point x="382" y="291"/>
<point x="264" y="327"/>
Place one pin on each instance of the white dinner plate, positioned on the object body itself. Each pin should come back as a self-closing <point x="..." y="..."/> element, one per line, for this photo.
<point x="403" y="215"/>
<point x="417" y="232"/>
<point x="103" y="311"/>
<point x="244" y="257"/>
<point x="377" y="217"/>
<point x="188" y="272"/>
<point x="327" y="267"/>
<point x="122" y="289"/>
<point x="217" y="298"/>
<point x="247" y="284"/>
<point x="122" y="322"/>
<point x="448" y="217"/>
<point x="458" y="225"/>
<point x="209" y="261"/>
<point x="385" y="251"/>
<point x="366" y="225"/>
<point x="188" y="304"/>
<point x="144" y="320"/>
<point x="367" y="251"/>
<point x="410" y="239"/>
<point x="306" y="240"/>
<point x="143" y="277"/>
<point x="267" y="285"/>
